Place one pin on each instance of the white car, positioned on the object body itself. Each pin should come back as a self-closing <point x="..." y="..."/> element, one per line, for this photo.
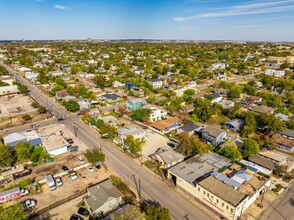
<point x="73" y="176"/>
<point x="90" y="168"/>
<point x="30" y="203"/>
<point x="81" y="159"/>
<point x="24" y="192"/>
<point x="58" y="181"/>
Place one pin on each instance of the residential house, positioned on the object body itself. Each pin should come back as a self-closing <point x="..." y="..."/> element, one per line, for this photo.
<point x="83" y="103"/>
<point x="138" y="71"/>
<point x="253" y="100"/>
<point x="276" y="157"/>
<point x="235" y="124"/>
<point x="156" y="114"/>
<point x="215" y="97"/>
<point x="25" y="69"/>
<point x="103" y="198"/>
<point x="30" y="137"/>
<point x="155" y="83"/>
<point x="267" y="164"/>
<point x="220" y="76"/>
<point x="56" y="73"/>
<point x="218" y="66"/>
<point x="61" y="94"/>
<point x="116" y="84"/>
<point x="276" y="73"/>
<point x="190" y="128"/>
<point x="214" y="136"/>
<point x="7" y="79"/>
<point x="110" y="120"/>
<point x="167" y="125"/>
<point x="282" y="117"/>
<point x="285" y="140"/>
<point x="32" y="76"/>
<point x="131" y="130"/>
<point x="134" y="104"/>
<point x="227" y="104"/>
<point x="167" y="158"/>
<point x="110" y="98"/>
<point x="105" y="55"/>
<point x="261" y="109"/>
<point x="86" y="75"/>
<point x="188" y="108"/>
<point x="6" y="90"/>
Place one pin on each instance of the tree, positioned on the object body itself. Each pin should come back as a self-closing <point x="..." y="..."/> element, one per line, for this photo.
<point x="23" y="89"/>
<point x="250" y="147"/>
<point x="6" y="155"/>
<point x="283" y="111"/>
<point x="203" y="109"/>
<point x="42" y="110"/>
<point x="72" y="106"/>
<point x="230" y="150"/>
<point x="43" y="78"/>
<point x="269" y="123"/>
<point x="291" y="124"/>
<point x="191" y="145"/>
<point x="16" y="212"/>
<point x="156" y="212"/>
<point x="141" y="115"/>
<point x="133" y="144"/>
<point x="26" y="117"/>
<point x="94" y="155"/>
<point x="24" y="150"/>
<point x="130" y="213"/>
<point x="108" y="130"/>
<point x="190" y="92"/>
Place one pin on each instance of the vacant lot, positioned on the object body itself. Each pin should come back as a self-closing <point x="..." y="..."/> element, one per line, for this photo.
<point x="15" y="105"/>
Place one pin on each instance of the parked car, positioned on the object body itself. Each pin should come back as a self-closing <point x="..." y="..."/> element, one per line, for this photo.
<point x="73" y="176"/>
<point x="76" y="217"/>
<point x="24" y="192"/>
<point x="81" y="159"/>
<point x="97" y="165"/>
<point x="30" y="203"/>
<point x="90" y="168"/>
<point x="64" y="168"/>
<point x="58" y="181"/>
<point x="69" y="140"/>
<point x="171" y="144"/>
<point x="83" y="211"/>
<point x="73" y="149"/>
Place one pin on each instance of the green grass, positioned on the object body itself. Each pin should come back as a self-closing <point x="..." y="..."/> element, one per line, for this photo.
<point x="217" y="120"/>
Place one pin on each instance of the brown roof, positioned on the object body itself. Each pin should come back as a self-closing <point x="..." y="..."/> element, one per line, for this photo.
<point x="222" y="190"/>
<point x="262" y="162"/>
<point x="262" y="109"/>
<point x="62" y="93"/>
<point x="188" y="108"/>
<point x="279" y="139"/>
<point x="162" y="125"/>
<point x="215" y="132"/>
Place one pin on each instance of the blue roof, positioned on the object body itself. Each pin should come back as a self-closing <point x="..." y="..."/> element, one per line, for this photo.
<point x="243" y="175"/>
<point x="223" y="178"/>
<point x="252" y="168"/>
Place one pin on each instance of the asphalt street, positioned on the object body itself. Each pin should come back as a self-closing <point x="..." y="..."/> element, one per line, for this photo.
<point x="152" y="188"/>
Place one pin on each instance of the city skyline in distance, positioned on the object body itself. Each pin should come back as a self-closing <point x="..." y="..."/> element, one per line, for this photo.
<point x="227" y="20"/>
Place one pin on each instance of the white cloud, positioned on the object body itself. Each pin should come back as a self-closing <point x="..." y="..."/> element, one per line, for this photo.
<point x="244" y="9"/>
<point x="61" y="7"/>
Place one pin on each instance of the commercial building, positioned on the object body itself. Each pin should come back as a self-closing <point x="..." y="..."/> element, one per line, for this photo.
<point x="30" y="137"/>
<point x="6" y="90"/>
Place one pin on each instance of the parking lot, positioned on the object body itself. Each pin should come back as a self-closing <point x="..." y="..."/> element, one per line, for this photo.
<point x="69" y="188"/>
<point x="153" y="141"/>
<point x="15" y="105"/>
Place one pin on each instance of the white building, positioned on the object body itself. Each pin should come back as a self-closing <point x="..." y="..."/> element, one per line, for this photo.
<point x="7" y="79"/>
<point x="32" y="76"/>
<point x="157" y="114"/>
<point x="56" y="73"/>
<point x="5" y="90"/>
<point x="131" y="130"/>
<point x="218" y="66"/>
<point x="25" y="69"/>
<point x="276" y="73"/>
<point x="155" y="83"/>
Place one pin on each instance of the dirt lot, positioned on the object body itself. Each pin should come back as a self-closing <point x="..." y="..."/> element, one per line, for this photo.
<point x="69" y="188"/>
<point x="16" y="105"/>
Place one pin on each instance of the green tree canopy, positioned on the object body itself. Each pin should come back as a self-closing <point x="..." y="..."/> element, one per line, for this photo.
<point x="42" y="110"/>
<point x="250" y="147"/>
<point x="203" y="109"/>
<point x="141" y="115"/>
<point x="6" y="155"/>
<point x="23" y="89"/>
<point x="24" y="150"/>
<point x="133" y="144"/>
<point x="230" y="150"/>
<point x="191" y="145"/>
<point x="269" y="123"/>
<point x="72" y="106"/>
<point x="94" y="155"/>
<point x="15" y="212"/>
<point x="156" y="212"/>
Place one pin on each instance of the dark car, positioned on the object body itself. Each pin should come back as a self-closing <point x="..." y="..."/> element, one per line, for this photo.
<point x="69" y="140"/>
<point x="171" y="144"/>
<point x="60" y="119"/>
<point x="64" y="168"/>
<point x="76" y="217"/>
<point x="83" y="211"/>
<point x="73" y="149"/>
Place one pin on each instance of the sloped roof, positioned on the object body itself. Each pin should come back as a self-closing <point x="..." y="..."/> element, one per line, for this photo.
<point x="14" y="137"/>
<point x="102" y="193"/>
<point x="214" y="132"/>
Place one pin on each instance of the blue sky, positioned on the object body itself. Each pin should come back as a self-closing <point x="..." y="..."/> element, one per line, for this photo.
<point x="148" y="19"/>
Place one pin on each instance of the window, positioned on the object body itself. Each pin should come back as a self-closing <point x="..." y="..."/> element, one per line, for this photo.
<point x="207" y="194"/>
<point x="223" y="204"/>
<point x="232" y="210"/>
<point x="211" y="197"/>
<point x="216" y="200"/>
<point x="199" y="189"/>
<point x="204" y="192"/>
<point x="227" y="207"/>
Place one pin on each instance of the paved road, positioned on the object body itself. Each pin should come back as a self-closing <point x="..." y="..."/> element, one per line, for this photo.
<point x="152" y="188"/>
<point x="282" y="207"/>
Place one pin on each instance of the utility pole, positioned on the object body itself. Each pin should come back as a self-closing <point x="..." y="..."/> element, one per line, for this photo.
<point x="10" y="119"/>
<point x="260" y="204"/>
<point x="76" y="130"/>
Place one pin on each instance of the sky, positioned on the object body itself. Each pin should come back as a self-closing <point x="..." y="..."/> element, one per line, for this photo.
<point x="253" y="20"/>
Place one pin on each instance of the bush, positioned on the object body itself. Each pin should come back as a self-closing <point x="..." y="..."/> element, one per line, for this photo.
<point x="26" y="117"/>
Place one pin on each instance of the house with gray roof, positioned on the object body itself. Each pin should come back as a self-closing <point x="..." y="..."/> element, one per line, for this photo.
<point x="167" y="158"/>
<point x="235" y="124"/>
<point x="30" y="137"/>
<point x="103" y="198"/>
<point x="214" y="136"/>
<point x="131" y="130"/>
